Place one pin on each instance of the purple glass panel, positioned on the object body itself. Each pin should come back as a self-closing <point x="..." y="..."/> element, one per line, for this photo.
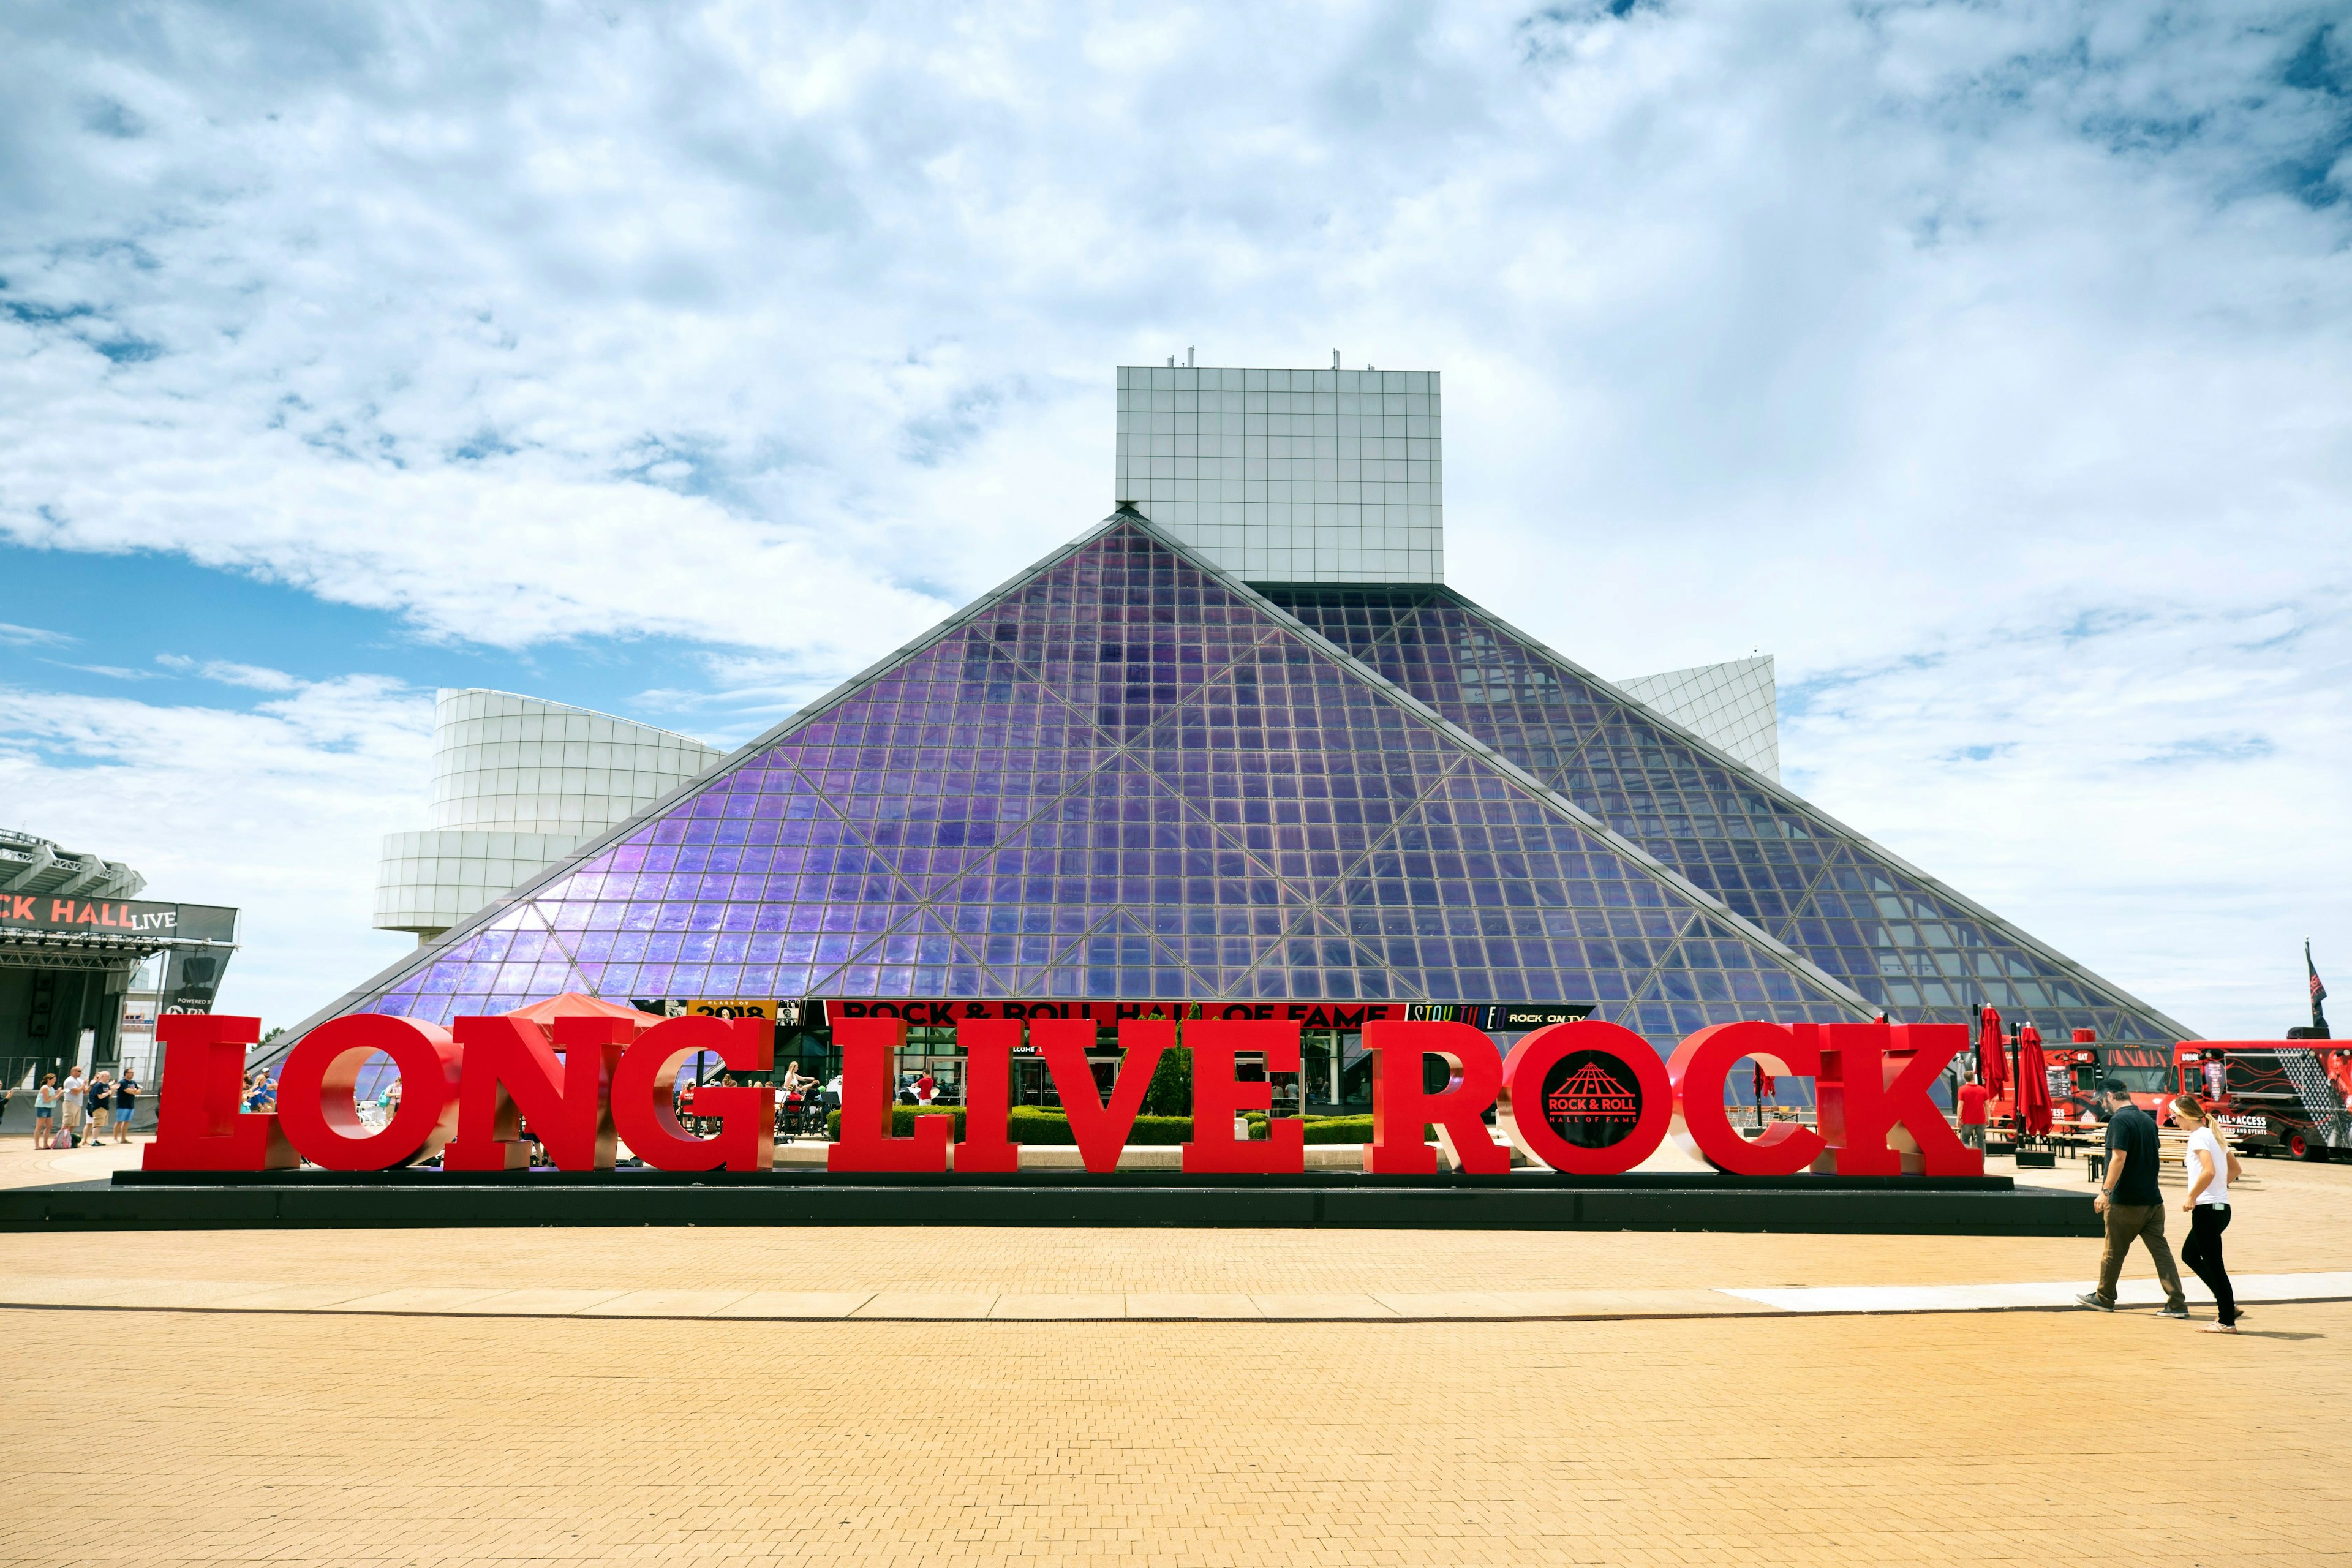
<point x="1123" y="778"/>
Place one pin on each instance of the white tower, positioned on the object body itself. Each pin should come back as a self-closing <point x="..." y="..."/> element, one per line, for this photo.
<point x="518" y="785"/>
<point x="1289" y="475"/>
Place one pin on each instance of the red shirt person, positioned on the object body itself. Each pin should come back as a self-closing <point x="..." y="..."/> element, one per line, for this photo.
<point x="1973" y="1099"/>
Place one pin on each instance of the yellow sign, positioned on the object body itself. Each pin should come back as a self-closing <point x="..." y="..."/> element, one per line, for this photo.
<point x="730" y="1007"/>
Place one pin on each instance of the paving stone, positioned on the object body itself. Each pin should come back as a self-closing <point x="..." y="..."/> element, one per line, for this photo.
<point x="293" y="1298"/>
<point x="1206" y="1427"/>
<point x="538" y="1302"/>
<point x="1102" y="1305"/>
<point x="1324" y="1306"/>
<point x="663" y="1304"/>
<point x="796" y="1304"/>
<point x="418" y="1298"/>
<point x="927" y="1304"/>
<point x="311" y="1439"/>
<point x="1187" y="1304"/>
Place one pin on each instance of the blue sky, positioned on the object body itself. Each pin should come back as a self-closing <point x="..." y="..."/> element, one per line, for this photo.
<point x="132" y="625"/>
<point x="1986" y="362"/>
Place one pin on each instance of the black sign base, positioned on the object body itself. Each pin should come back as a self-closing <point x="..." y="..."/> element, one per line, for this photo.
<point x="1843" y="1205"/>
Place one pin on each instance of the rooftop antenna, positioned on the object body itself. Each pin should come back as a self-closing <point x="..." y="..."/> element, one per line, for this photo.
<point x="1334" y="359"/>
<point x="1188" y="359"/>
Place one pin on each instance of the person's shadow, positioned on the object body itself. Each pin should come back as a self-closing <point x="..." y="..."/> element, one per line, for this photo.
<point x="2274" y="1334"/>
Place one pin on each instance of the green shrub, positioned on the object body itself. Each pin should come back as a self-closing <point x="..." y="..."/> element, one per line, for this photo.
<point x="1341" y="1130"/>
<point x="1171" y="1092"/>
<point x="1333" y="1128"/>
<point x="1030" y="1124"/>
<point x="902" y="1120"/>
<point x="1036" y="1124"/>
<point x="1051" y="1128"/>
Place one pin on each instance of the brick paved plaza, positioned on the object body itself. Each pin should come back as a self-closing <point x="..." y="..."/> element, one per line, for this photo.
<point x="434" y="1434"/>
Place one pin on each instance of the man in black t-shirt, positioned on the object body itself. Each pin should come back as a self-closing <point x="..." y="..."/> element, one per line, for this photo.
<point x="98" y="1107"/>
<point x="126" y="1104"/>
<point x="2132" y="1204"/>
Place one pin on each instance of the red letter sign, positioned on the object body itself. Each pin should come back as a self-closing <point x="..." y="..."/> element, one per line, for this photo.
<point x="198" y="1123"/>
<point x="1101" y="1129"/>
<point x="869" y="1073"/>
<point x="987" y="1094"/>
<point x="1218" y="1098"/>
<point x="317" y="1092"/>
<point x="508" y="1071"/>
<point x="1874" y="1079"/>
<point x="1699" y="1067"/>
<point x="1593" y="1078"/>
<point x="647" y="1122"/>
<point x="1401" y="1106"/>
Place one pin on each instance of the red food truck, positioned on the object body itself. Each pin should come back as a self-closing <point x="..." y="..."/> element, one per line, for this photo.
<point x="2079" y="1070"/>
<point x="2275" y="1097"/>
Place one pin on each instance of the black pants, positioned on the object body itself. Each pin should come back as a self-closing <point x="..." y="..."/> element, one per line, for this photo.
<point x="2203" y="1252"/>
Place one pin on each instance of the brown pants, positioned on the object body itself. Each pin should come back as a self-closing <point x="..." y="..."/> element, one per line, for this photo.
<point x="2144" y="1221"/>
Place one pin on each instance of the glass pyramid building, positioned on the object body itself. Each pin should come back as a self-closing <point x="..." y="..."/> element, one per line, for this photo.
<point x="1129" y="775"/>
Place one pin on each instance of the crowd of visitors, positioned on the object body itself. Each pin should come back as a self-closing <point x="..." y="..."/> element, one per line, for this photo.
<point x="82" y="1111"/>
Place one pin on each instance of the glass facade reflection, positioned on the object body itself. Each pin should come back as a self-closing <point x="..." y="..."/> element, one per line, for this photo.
<point x="1917" y="949"/>
<point x="1121" y="776"/>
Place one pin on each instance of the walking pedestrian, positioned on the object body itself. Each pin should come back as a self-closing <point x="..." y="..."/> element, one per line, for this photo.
<point x="2211" y="1167"/>
<point x="70" y="1097"/>
<point x="45" y="1111"/>
<point x="2132" y="1206"/>
<point x="126" y="1103"/>
<point x="1972" y="1098"/>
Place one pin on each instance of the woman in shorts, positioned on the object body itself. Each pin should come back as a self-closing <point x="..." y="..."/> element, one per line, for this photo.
<point x="45" y="1111"/>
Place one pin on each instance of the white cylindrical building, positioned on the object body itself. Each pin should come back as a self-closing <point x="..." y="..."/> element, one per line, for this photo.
<point x="518" y="785"/>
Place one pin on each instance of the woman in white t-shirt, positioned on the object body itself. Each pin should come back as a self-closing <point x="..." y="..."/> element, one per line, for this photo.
<point x="45" y="1111"/>
<point x="2211" y="1167"/>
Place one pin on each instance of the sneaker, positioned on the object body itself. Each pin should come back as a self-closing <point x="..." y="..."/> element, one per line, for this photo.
<point x="2092" y="1299"/>
<point x="2180" y="1312"/>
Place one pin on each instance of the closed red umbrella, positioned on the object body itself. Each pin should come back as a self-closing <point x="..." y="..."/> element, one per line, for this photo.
<point x="1993" y="1062"/>
<point x="2032" y="1082"/>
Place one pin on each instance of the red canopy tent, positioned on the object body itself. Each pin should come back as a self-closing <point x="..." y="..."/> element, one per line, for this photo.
<point x="576" y="1005"/>
<point x="2032" y="1082"/>
<point x="1993" y="1062"/>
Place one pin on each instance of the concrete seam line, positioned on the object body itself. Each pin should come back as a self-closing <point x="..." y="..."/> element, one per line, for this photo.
<point x="1759" y="1310"/>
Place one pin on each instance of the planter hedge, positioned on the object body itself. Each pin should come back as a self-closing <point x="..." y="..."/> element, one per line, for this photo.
<point x="1034" y="1124"/>
<point x="902" y="1120"/>
<point x="1051" y="1128"/>
<point x="1334" y="1129"/>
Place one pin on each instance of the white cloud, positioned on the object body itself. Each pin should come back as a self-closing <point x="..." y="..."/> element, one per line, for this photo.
<point x="229" y="673"/>
<point x="2159" y="796"/>
<point x="31" y="637"/>
<point x="277" y="812"/>
<point x="1850" y="334"/>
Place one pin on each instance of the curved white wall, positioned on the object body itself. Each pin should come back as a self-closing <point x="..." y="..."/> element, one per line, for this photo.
<point x="518" y="783"/>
